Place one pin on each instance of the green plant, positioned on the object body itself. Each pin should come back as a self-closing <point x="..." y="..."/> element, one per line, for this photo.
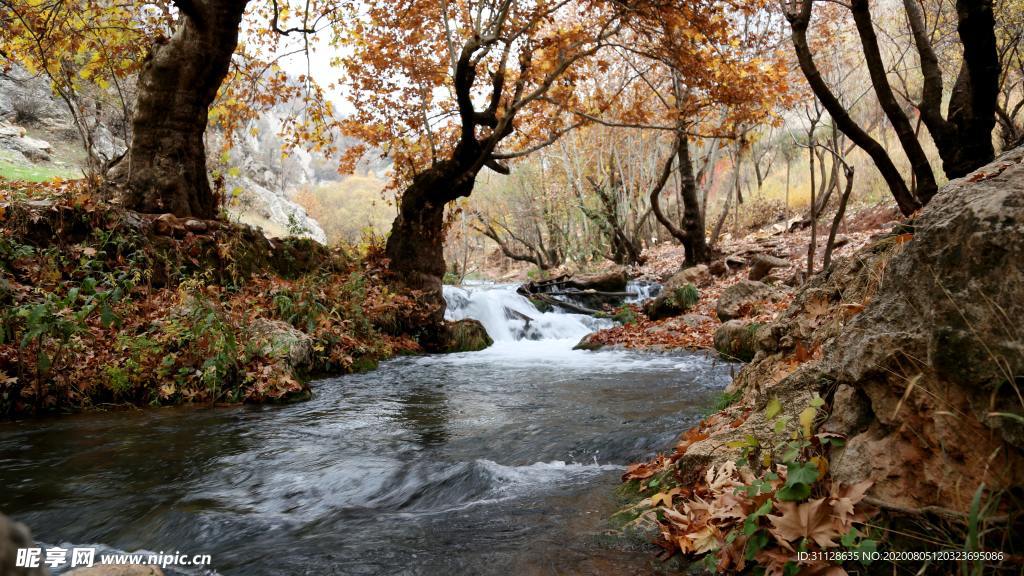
<point x="625" y="314"/>
<point x="686" y="297"/>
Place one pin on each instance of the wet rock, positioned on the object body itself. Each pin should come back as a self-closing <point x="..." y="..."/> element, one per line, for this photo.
<point x="588" y="342"/>
<point x="15" y="535"/>
<point x="737" y="300"/>
<point x="110" y="570"/>
<point x="735" y="340"/>
<point x="762" y="265"/>
<point x="466" y="335"/>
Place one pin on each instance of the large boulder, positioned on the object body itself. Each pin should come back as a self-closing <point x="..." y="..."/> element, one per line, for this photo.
<point x="14" y="139"/>
<point x="15" y="535"/>
<point x="937" y="356"/>
<point x="282" y="340"/>
<point x="739" y="299"/>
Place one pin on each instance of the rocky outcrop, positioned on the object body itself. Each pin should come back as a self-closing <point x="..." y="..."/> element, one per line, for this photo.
<point x="19" y="146"/>
<point x="740" y="299"/>
<point x="913" y="342"/>
<point x="15" y="535"/>
<point x="937" y="356"/>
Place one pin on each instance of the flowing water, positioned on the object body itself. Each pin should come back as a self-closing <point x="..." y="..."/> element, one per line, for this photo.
<point x="494" y="462"/>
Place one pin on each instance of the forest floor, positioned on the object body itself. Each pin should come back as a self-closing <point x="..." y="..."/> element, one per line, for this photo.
<point x="695" y="329"/>
<point x="101" y="307"/>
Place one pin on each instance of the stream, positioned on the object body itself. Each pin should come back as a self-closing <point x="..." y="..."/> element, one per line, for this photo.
<point x="494" y="462"/>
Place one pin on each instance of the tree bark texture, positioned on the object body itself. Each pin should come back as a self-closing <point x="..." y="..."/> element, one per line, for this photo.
<point x="165" y="169"/>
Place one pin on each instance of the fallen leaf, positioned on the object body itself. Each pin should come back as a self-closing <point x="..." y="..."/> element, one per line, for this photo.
<point x="807" y="520"/>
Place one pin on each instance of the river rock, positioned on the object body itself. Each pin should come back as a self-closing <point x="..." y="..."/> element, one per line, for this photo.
<point x="110" y="570"/>
<point x="466" y="335"/>
<point x="735" y="340"/>
<point x="15" y="535"/>
<point x="736" y="300"/>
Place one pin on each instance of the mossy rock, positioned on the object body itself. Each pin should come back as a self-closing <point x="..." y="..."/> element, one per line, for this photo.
<point x="466" y="336"/>
<point x="673" y="302"/>
<point x="735" y="340"/>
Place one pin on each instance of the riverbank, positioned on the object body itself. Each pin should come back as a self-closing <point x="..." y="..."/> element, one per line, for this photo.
<point x="880" y="411"/>
<point x="102" y="307"/>
<point x="751" y="282"/>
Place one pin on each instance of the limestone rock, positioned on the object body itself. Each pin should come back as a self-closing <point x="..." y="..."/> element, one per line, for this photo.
<point x="284" y="341"/>
<point x="762" y="264"/>
<point x="738" y="298"/>
<point x="913" y="341"/>
<point x="735" y="340"/>
<point x="15" y="139"/>
<point x="696" y="275"/>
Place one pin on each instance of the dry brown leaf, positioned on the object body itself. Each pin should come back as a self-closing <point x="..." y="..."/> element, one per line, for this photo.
<point x="845" y="497"/>
<point x="812" y="519"/>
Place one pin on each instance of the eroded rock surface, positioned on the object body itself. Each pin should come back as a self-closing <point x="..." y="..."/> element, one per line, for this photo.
<point x="915" y="344"/>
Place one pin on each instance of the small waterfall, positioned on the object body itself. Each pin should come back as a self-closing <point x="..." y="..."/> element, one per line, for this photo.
<point x="508" y="316"/>
<point x="644" y="290"/>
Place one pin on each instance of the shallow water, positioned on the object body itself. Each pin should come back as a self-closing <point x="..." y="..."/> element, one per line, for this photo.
<point x="494" y="462"/>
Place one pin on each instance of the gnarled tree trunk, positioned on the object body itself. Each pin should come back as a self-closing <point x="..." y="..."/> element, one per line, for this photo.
<point x="165" y="170"/>
<point x="415" y="247"/>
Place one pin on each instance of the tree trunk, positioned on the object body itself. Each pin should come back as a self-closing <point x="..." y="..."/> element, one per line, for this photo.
<point x="964" y="139"/>
<point x="415" y="247"/>
<point x="843" y="200"/>
<point x="691" y="235"/>
<point x="799" y="21"/>
<point x="165" y="170"/>
<point x="922" y="170"/>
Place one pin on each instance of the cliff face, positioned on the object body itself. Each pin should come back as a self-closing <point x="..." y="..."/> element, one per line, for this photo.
<point x="916" y="346"/>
